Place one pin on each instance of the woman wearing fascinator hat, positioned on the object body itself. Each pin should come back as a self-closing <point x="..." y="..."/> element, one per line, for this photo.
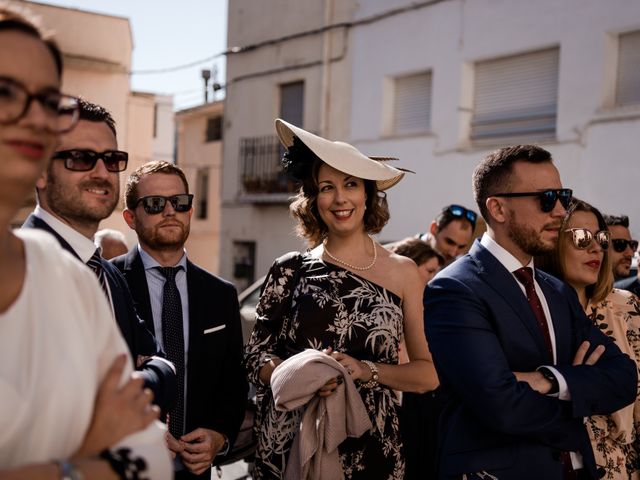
<point x="347" y="297"/>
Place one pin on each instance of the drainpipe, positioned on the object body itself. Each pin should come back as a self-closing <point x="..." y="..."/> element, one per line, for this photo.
<point x="325" y="97"/>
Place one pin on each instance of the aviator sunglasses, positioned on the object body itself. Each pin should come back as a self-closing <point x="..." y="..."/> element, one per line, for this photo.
<point x="621" y="244"/>
<point x="85" y="160"/>
<point x="460" y="212"/>
<point x="582" y="238"/>
<point x="547" y="198"/>
<point x="154" y="204"/>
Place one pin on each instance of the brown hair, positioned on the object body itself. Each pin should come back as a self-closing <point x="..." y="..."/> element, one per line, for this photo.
<point x="305" y="210"/>
<point x="417" y="250"/>
<point x="553" y="262"/>
<point x="493" y="173"/>
<point x="13" y="18"/>
<point x="158" y="166"/>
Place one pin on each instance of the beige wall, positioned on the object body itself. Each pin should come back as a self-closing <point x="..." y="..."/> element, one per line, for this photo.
<point x="194" y="154"/>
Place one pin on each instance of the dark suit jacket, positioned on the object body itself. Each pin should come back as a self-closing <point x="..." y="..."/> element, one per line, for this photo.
<point x="480" y="329"/>
<point x="158" y="376"/>
<point x="216" y="384"/>
<point x="631" y="284"/>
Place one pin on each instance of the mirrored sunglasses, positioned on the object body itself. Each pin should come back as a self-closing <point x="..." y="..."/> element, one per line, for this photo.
<point x="462" y="212"/>
<point x="85" y="160"/>
<point x="582" y="238"/>
<point x="547" y="198"/>
<point x="154" y="204"/>
<point x="621" y="244"/>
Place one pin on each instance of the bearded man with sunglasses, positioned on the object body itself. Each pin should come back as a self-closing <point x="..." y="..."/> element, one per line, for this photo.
<point x="623" y="246"/>
<point x="79" y="189"/>
<point x="193" y="313"/>
<point x="520" y="364"/>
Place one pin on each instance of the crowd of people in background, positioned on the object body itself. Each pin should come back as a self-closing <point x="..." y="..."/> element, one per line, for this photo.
<point x="500" y="345"/>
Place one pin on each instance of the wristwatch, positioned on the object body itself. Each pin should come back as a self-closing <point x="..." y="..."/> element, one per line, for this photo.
<point x="373" y="382"/>
<point x="549" y="375"/>
<point x="68" y="471"/>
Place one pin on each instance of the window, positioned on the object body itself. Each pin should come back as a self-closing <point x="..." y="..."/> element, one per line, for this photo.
<point x="202" y="193"/>
<point x="214" y="129"/>
<point x="292" y="103"/>
<point x="412" y="103"/>
<point x="244" y="263"/>
<point x="516" y="98"/>
<point x="628" y="78"/>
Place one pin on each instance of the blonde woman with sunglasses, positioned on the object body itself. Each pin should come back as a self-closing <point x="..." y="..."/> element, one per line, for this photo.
<point x="582" y="260"/>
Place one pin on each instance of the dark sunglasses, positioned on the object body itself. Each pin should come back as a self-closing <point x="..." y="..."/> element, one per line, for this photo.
<point x="154" y="204"/>
<point x="85" y="160"/>
<point x="547" y="198"/>
<point x="621" y="244"/>
<point x="461" y="212"/>
<point x="582" y="238"/>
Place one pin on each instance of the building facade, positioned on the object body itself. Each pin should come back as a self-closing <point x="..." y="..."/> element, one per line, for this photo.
<point x="438" y="84"/>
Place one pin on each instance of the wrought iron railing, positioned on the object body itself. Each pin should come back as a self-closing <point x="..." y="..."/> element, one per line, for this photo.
<point x="261" y="172"/>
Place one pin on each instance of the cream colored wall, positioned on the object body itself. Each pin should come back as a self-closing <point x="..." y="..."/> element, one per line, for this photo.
<point x="194" y="153"/>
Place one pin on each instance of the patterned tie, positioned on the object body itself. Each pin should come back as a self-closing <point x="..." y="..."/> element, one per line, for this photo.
<point x="173" y="338"/>
<point x="525" y="276"/>
<point x="95" y="263"/>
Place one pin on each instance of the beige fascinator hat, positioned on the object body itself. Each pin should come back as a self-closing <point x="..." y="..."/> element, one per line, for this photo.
<point x="339" y="155"/>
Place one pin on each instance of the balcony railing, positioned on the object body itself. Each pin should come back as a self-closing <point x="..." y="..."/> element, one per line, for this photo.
<point x="261" y="172"/>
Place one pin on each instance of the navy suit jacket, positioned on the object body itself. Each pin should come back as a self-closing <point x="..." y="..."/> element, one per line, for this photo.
<point x="631" y="284"/>
<point x="157" y="374"/>
<point x="216" y="383"/>
<point x="480" y="329"/>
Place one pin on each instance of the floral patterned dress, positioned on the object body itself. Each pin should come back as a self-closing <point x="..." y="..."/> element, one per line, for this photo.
<point x="615" y="438"/>
<point x="307" y="303"/>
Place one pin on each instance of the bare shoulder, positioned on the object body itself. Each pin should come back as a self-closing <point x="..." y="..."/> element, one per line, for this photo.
<point x="403" y="270"/>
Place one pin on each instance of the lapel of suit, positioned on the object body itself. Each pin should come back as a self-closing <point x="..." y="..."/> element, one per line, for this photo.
<point x="137" y="279"/>
<point x="195" y="329"/>
<point x="494" y="274"/>
<point x="561" y="322"/>
<point x="36" y="222"/>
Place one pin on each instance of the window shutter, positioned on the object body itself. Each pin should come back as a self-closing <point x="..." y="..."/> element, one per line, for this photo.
<point x="292" y="103"/>
<point x="628" y="80"/>
<point x="516" y="97"/>
<point x="412" y="103"/>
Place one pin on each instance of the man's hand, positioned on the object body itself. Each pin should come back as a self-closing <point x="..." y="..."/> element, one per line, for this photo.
<point x="118" y="411"/>
<point x="199" y="448"/>
<point x="582" y="351"/>
<point x="175" y="448"/>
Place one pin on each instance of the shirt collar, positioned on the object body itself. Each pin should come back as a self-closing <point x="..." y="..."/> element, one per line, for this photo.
<point x="149" y="262"/>
<point x="507" y="260"/>
<point x="83" y="246"/>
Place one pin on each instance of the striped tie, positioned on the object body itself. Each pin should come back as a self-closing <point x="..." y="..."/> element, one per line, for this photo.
<point x="95" y="263"/>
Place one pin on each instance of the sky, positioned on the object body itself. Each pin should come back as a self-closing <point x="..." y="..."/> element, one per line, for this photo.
<point x="169" y="33"/>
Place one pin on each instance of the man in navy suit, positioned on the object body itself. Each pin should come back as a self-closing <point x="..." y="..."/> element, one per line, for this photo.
<point x="195" y="314"/>
<point x="79" y="189"/>
<point x="519" y="371"/>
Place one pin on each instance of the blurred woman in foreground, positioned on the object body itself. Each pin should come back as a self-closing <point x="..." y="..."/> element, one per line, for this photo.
<point x="70" y="408"/>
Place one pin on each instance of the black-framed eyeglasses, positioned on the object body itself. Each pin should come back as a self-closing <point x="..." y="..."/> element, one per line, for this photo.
<point x="621" y="244"/>
<point x="462" y="212"/>
<point x="582" y="238"/>
<point x="84" y="160"/>
<point x="62" y="111"/>
<point x="154" y="204"/>
<point x="547" y="198"/>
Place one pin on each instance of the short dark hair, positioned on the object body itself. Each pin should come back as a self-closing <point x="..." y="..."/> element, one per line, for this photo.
<point x="12" y="18"/>
<point x="446" y="216"/>
<point x="95" y="113"/>
<point x="417" y="250"/>
<point x="617" y="221"/>
<point x="304" y="208"/>
<point x="493" y="173"/>
<point x="157" y="166"/>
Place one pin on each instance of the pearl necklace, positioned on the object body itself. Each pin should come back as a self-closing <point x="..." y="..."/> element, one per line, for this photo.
<point x="353" y="267"/>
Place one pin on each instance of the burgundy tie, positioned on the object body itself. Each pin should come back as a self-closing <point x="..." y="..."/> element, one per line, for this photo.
<point x="525" y="276"/>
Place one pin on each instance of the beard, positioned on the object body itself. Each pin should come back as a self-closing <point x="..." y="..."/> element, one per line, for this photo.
<point x="67" y="201"/>
<point x="529" y="240"/>
<point x="159" y="238"/>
